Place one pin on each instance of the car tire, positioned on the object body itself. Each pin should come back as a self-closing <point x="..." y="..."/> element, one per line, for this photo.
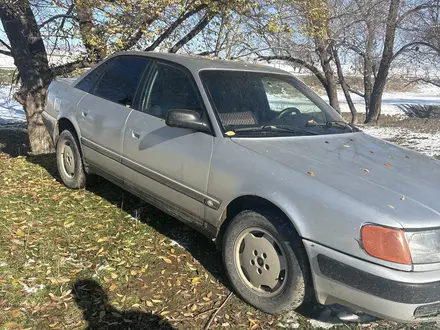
<point x="252" y="243"/>
<point x="69" y="161"/>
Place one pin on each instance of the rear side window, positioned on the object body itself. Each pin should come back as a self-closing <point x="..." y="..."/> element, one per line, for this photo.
<point x="89" y="81"/>
<point x="119" y="82"/>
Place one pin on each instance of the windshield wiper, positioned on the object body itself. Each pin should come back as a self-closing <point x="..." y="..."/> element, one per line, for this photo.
<point x="336" y="124"/>
<point x="273" y="128"/>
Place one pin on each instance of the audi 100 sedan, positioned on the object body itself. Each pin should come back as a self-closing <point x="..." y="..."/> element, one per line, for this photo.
<point x="301" y="204"/>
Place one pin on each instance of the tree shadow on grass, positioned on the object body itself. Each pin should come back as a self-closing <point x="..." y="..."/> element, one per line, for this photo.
<point x="99" y="314"/>
<point x="13" y="141"/>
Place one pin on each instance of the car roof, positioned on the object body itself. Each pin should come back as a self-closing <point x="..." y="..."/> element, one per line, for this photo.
<point x="197" y="63"/>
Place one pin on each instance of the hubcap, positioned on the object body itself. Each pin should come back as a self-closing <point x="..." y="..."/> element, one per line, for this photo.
<point x="68" y="160"/>
<point x="261" y="262"/>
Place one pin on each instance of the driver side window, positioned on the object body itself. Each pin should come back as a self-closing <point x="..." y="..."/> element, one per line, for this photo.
<point x="283" y="95"/>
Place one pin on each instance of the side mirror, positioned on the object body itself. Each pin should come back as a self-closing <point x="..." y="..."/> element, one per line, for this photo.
<point x="189" y="119"/>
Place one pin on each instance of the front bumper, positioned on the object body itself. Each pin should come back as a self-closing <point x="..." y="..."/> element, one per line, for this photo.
<point x="387" y="293"/>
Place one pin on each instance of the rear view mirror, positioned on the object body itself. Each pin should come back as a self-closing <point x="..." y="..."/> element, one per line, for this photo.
<point x="184" y="118"/>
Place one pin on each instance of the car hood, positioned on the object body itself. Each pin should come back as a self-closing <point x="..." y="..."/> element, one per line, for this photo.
<point x="401" y="183"/>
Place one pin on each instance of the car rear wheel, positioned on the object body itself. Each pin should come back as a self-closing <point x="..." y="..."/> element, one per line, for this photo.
<point x="69" y="161"/>
<point x="266" y="262"/>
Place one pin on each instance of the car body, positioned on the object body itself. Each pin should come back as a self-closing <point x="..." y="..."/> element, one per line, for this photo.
<point x="330" y="185"/>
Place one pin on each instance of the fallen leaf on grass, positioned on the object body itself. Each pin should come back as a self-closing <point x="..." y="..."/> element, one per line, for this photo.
<point x="103" y="239"/>
<point x="16" y="314"/>
<point x="195" y="280"/>
<point x="167" y="260"/>
<point x="68" y="225"/>
<point x="19" y="232"/>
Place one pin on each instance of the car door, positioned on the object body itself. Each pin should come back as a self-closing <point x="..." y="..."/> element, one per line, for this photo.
<point x="102" y="112"/>
<point x="168" y="165"/>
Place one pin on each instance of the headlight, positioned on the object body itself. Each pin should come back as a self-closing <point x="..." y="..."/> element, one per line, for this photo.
<point x="424" y="246"/>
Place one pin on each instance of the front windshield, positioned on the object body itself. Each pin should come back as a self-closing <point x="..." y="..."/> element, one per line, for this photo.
<point x="264" y="104"/>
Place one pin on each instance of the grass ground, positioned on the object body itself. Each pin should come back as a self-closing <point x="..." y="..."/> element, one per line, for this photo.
<point x="101" y="258"/>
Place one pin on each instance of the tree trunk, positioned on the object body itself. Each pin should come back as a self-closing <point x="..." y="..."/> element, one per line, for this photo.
<point x="368" y="68"/>
<point x="345" y="87"/>
<point x="40" y="141"/>
<point x="385" y="64"/>
<point x="324" y="52"/>
<point x="332" y="92"/>
<point x="30" y="57"/>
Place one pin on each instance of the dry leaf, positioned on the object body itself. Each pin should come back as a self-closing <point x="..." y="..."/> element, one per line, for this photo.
<point x="113" y="275"/>
<point x="366" y="170"/>
<point x="167" y="260"/>
<point x="193" y="307"/>
<point x="149" y="303"/>
<point x="389" y="165"/>
<point x="391" y="207"/>
<point x="103" y="239"/>
<point x="19" y="232"/>
<point x="68" y="225"/>
<point x="195" y="280"/>
<point x="16" y="314"/>
<point x="402" y="198"/>
<point x="311" y="173"/>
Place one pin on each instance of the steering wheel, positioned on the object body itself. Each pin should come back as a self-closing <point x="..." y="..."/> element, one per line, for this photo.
<point x="288" y="111"/>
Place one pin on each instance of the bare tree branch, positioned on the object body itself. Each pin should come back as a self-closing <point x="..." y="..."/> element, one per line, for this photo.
<point x="4" y="52"/>
<point x="425" y="80"/>
<point x="191" y="34"/>
<point x="53" y="18"/>
<point x="61" y="26"/>
<point x="5" y="44"/>
<point x="299" y="61"/>
<point x="355" y="91"/>
<point x="173" y="27"/>
<point x="416" y="9"/>
<point x="416" y="43"/>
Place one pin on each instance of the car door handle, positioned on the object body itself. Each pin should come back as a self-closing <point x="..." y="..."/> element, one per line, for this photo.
<point x="135" y="134"/>
<point x="84" y="113"/>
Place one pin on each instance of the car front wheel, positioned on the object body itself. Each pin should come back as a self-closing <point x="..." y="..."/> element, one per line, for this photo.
<point x="266" y="262"/>
<point x="69" y="161"/>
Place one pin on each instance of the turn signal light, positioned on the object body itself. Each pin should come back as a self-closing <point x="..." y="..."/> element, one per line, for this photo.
<point x="386" y="243"/>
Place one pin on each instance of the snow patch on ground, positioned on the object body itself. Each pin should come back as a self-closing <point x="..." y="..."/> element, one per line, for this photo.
<point x="393" y="103"/>
<point x="11" y="112"/>
<point x="426" y="143"/>
<point x="32" y="289"/>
